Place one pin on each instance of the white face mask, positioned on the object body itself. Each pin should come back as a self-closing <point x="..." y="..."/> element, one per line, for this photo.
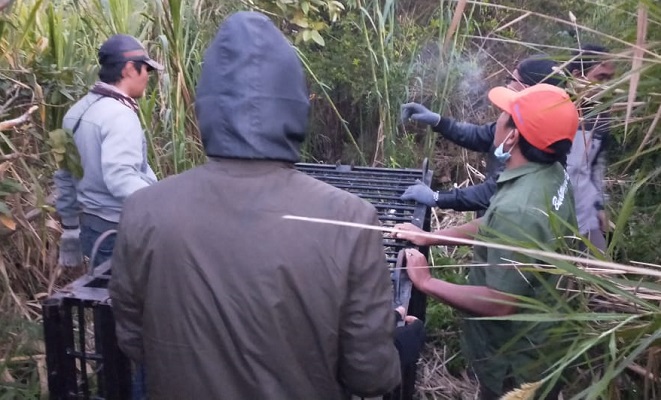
<point x="500" y="154"/>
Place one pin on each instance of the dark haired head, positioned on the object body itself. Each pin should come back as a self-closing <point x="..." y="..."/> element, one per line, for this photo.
<point x="588" y="57"/>
<point x="538" y="69"/>
<point x="112" y="73"/>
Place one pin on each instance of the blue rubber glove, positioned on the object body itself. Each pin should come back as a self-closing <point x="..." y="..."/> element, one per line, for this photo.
<point x="420" y="193"/>
<point x="420" y="113"/>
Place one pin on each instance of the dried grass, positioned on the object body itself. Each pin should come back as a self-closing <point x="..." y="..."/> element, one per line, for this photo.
<point x="435" y="382"/>
<point x="637" y="63"/>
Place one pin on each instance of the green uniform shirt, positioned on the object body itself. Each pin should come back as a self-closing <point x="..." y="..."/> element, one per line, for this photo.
<point x="519" y="211"/>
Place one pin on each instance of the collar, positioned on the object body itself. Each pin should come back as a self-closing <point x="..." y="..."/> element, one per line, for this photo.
<point x="528" y="168"/>
<point x="112" y="88"/>
<point x="107" y="90"/>
<point x="246" y="167"/>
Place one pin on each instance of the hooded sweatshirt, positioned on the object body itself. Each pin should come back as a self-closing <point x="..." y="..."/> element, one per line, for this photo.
<point x="264" y="114"/>
<point x="217" y="293"/>
<point x="113" y="154"/>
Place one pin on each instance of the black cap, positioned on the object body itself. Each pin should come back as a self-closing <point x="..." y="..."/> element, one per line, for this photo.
<point x="122" y="48"/>
<point x="540" y="69"/>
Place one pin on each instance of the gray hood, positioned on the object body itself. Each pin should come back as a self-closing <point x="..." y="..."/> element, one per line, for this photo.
<point x="252" y="99"/>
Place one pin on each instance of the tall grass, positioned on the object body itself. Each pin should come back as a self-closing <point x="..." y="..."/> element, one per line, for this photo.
<point x="49" y="53"/>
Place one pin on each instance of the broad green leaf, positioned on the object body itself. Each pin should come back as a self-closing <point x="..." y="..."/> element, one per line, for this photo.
<point x="300" y="20"/>
<point x="4" y="209"/>
<point x="306" y="35"/>
<point x="317" y="38"/>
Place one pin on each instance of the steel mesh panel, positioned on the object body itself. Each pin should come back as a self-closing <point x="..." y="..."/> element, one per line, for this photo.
<point x="382" y="187"/>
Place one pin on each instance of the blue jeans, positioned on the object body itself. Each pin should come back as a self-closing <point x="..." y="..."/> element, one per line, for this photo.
<point x="139" y="382"/>
<point x="91" y="228"/>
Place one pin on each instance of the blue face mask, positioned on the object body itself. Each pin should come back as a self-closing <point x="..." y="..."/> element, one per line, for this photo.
<point x="500" y="154"/>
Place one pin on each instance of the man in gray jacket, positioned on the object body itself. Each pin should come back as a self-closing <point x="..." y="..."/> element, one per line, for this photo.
<point x="112" y="148"/>
<point x="587" y="161"/>
<point x="217" y="293"/>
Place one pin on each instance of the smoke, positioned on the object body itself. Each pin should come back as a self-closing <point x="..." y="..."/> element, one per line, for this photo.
<point x="457" y="81"/>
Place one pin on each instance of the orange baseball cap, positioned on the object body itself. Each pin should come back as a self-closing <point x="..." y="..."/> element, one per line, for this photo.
<point x="543" y="113"/>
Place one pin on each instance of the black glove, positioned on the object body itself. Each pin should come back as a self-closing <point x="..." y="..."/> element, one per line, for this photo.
<point x="409" y="340"/>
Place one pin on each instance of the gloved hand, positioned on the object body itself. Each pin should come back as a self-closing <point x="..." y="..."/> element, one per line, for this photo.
<point x="71" y="250"/>
<point x="418" y="112"/>
<point x="420" y="193"/>
<point x="409" y="341"/>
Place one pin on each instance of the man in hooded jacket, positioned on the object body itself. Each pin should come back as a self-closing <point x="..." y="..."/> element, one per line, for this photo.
<point x="217" y="293"/>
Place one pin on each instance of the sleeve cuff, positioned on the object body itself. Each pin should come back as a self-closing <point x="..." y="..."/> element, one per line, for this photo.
<point x="70" y="222"/>
<point x="444" y="125"/>
<point x="445" y="199"/>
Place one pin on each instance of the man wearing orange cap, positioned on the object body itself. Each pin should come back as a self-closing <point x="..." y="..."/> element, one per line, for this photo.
<point x="533" y="205"/>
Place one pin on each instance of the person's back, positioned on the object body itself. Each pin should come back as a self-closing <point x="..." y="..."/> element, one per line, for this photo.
<point x="214" y="290"/>
<point x="241" y="302"/>
<point x="104" y="186"/>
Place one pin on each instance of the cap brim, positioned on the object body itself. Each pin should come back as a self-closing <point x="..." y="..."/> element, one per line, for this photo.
<point x="154" y="65"/>
<point x="502" y="98"/>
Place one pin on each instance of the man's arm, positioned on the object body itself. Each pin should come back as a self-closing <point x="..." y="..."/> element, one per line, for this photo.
<point x="369" y="362"/>
<point x="408" y="231"/>
<point x="471" y="198"/>
<point x="501" y="280"/>
<point x="66" y="204"/>
<point x="475" y="300"/>
<point x="598" y="172"/>
<point x="122" y="155"/>
<point x="494" y="299"/>
<point x="126" y="288"/>
<point x="479" y="301"/>
<point x="151" y="174"/>
<point x="473" y="137"/>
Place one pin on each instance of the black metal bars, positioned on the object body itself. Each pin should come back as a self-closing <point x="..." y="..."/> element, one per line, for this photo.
<point x="82" y="355"/>
<point x="382" y="187"/>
